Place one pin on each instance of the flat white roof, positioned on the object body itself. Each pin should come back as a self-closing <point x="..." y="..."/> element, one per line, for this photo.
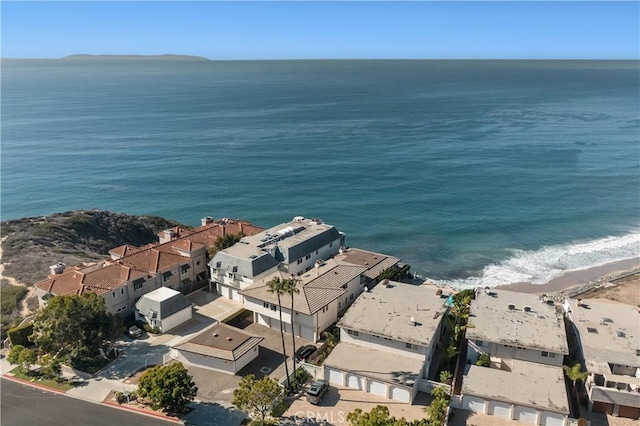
<point x="529" y="384"/>
<point x="387" y="310"/>
<point x="542" y="327"/>
<point x="161" y="294"/>
<point x="377" y="364"/>
<point x="609" y="331"/>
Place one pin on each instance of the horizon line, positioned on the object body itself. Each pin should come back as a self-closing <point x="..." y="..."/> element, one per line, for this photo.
<point x="170" y="56"/>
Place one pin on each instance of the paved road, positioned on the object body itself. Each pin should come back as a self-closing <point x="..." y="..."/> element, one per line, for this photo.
<point x="24" y="405"/>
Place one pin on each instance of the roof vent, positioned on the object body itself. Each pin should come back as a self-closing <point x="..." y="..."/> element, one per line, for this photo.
<point x="412" y="321"/>
<point x="215" y="334"/>
<point x="620" y="333"/>
<point x="229" y="339"/>
<point x="366" y="289"/>
<point x="526" y="309"/>
<point x="511" y="306"/>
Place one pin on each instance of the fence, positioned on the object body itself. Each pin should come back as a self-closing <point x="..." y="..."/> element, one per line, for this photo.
<point x="428" y="385"/>
<point x="316" y="371"/>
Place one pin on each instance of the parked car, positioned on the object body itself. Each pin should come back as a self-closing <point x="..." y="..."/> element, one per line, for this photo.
<point x="134" y="331"/>
<point x="305" y="352"/>
<point x="316" y="391"/>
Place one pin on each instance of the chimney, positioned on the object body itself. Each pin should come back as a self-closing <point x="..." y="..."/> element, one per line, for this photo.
<point x="57" y="269"/>
<point x="206" y="220"/>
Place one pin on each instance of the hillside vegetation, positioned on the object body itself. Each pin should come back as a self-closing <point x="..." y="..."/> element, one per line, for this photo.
<point x="31" y="245"/>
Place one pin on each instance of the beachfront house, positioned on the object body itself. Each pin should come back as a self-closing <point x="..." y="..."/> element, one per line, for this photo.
<point x="609" y="336"/>
<point x="293" y="248"/>
<point x="325" y="292"/>
<point x="524" y="337"/>
<point x="388" y="339"/>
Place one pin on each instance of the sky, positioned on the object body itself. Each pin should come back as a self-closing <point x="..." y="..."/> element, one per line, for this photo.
<point x="324" y="29"/>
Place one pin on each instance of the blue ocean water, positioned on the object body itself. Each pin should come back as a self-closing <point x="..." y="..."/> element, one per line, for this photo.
<point x="473" y="171"/>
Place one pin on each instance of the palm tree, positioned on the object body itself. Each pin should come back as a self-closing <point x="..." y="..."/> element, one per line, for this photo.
<point x="291" y="288"/>
<point x="575" y="374"/>
<point x="278" y="287"/>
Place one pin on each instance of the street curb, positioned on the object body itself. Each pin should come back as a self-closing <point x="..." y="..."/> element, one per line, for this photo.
<point x="32" y="384"/>
<point x="139" y="411"/>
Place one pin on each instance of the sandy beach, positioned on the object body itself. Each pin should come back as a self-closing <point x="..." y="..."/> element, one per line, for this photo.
<point x="627" y="289"/>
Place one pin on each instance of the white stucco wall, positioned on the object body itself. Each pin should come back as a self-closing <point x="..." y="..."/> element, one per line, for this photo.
<point x="176" y="319"/>
<point x="524" y="354"/>
<point x="393" y="346"/>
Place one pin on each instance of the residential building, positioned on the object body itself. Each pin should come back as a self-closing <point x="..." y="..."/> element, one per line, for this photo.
<point x="388" y="338"/>
<point x="292" y="247"/>
<point x="178" y="262"/>
<point x="524" y="336"/>
<point x="164" y="309"/>
<point x="609" y="336"/>
<point x="220" y="348"/>
<point x="325" y="292"/>
<point x="374" y="262"/>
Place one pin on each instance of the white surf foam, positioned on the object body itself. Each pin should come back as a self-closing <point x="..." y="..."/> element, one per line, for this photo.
<point x="541" y="266"/>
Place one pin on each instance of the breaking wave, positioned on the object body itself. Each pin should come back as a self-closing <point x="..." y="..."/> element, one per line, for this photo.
<point x="547" y="263"/>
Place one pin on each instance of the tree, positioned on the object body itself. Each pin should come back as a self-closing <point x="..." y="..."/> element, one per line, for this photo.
<point x="291" y="288"/>
<point x="14" y="355"/>
<point x="258" y="397"/>
<point x="169" y="387"/>
<point x="378" y="416"/>
<point x="224" y="242"/>
<point x="77" y="326"/>
<point x="575" y="374"/>
<point x="394" y="273"/>
<point x="278" y="287"/>
<point x="437" y="411"/>
<point x="446" y="377"/>
<point x="50" y="366"/>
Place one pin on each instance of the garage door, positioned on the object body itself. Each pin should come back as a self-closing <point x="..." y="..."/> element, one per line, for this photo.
<point x="526" y="415"/>
<point x="499" y="409"/>
<point x="400" y="394"/>
<point x="263" y="320"/>
<point x="355" y="382"/>
<point x="306" y="333"/>
<point x="235" y="295"/>
<point x="378" y="388"/>
<point x="334" y="376"/>
<point x="551" y="419"/>
<point x="474" y="404"/>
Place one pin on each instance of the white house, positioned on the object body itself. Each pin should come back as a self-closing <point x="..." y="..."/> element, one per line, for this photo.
<point x="220" y="348"/>
<point x="387" y="340"/>
<point x="609" y="336"/>
<point x="292" y="247"/>
<point x="164" y="308"/>
<point x="524" y="336"/>
<point x="324" y="292"/>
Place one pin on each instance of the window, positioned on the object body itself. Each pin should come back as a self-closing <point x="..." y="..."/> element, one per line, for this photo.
<point x="545" y="354"/>
<point x="592" y="330"/>
<point x="479" y="343"/>
<point x="137" y="285"/>
<point x="184" y="269"/>
<point x="307" y="257"/>
<point x="355" y="333"/>
<point x="122" y="290"/>
<point x="407" y="345"/>
<point x="344" y="286"/>
<point x="113" y="294"/>
<point x="316" y="252"/>
<point x="265" y="305"/>
<point x="274" y="307"/>
<point x="330" y="244"/>
<point x="552" y="355"/>
<point x="299" y="261"/>
<point x="349" y="331"/>
<point x="351" y="297"/>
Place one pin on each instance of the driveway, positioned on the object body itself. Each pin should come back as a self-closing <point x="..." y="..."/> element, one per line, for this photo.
<point x="269" y="362"/>
<point x="340" y="401"/>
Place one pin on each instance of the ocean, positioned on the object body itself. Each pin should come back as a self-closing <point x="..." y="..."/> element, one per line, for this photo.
<point x="473" y="172"/>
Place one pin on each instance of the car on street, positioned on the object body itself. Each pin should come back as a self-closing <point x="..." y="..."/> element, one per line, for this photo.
<point x="305" y="352"/>
<point x="316" y="391"/>
<point x="134" y="331"/>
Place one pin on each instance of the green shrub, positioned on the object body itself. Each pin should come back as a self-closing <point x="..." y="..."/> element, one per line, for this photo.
<point x="484" y="360"/>
<point x="20" y="335"/>
<point x="446" y="377"/>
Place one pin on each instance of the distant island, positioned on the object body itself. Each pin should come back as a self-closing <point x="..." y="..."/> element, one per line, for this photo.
<point x="136" y="57"/>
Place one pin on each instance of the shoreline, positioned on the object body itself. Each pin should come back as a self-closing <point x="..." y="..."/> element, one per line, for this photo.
<point x="571" y="281"/>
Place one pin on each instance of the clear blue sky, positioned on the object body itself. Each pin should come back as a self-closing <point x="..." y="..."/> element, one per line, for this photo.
<point x="308" y="30"/>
